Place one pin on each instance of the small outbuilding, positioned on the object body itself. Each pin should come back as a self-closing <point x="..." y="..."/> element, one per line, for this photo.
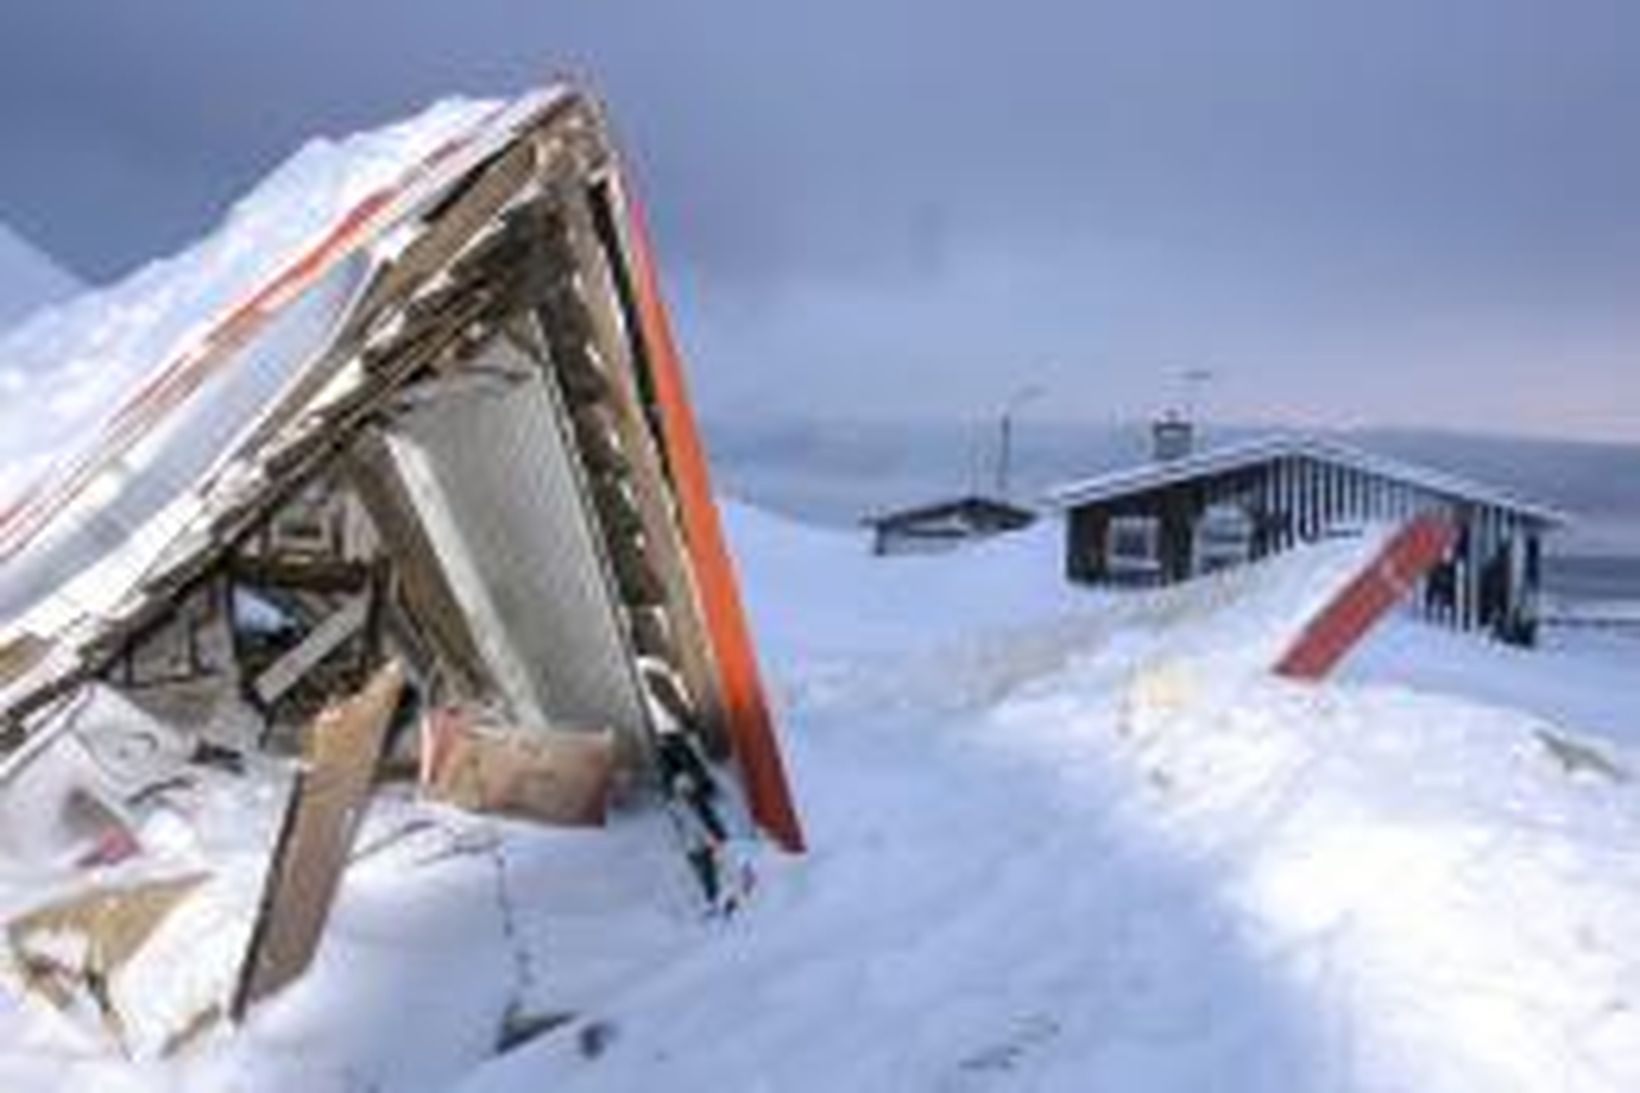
<point x="1188" y="513"/>
<point x="944" y="525"/>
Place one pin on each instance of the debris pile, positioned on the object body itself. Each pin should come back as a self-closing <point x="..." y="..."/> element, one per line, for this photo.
<point x="427" y="507"/>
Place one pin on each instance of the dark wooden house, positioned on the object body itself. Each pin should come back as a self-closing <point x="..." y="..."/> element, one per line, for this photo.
<point x="944" y="525"/>
<point x="1192" y="513"/>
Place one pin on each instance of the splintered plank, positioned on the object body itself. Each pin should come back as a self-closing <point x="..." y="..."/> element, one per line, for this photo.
<point x="330" y="635"/>
<point x="422" y="588"/>
<point x="69" y="951"/>
<point x="1410" y="554"/>
<point x="488" y="191"/>
<point x="339" y="756"/>
<point x="20" y="656"/>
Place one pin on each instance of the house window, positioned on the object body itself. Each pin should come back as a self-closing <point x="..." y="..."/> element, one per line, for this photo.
<point x="1133" y="547"/>
<point x="1224" y="538"/>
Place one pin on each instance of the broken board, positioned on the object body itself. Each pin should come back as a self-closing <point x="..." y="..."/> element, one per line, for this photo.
<point x="339" y="762"/>
<point x="1385" y="581"/>
<point x="69" y="952"/>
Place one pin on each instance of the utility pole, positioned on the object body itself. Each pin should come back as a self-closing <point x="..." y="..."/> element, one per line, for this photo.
<point x="1005" y="444"/>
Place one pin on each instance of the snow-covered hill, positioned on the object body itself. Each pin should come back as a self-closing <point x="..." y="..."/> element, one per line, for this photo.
<point x="29" y="278"/>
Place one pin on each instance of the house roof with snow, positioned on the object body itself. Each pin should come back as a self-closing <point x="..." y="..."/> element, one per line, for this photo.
<point x="971" y="509"/>
<point x="1231" y="457"/>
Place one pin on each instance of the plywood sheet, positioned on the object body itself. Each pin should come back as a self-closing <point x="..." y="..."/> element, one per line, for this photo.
<point x="327" y="802"/>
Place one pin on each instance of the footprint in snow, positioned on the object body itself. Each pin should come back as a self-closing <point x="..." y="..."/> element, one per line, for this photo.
<point x="1007" y="1055"/>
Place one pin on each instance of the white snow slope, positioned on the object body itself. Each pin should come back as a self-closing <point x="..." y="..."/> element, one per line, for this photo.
<point x="1059" y="843"/>
<point x="29" y="278"/>
<point x="65" y="370"/>
<point x="1583" y="676"/>
<point x="1147" y="866"/>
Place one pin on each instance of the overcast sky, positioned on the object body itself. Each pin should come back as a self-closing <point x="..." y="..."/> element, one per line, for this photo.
<point x="1419" y="212"/>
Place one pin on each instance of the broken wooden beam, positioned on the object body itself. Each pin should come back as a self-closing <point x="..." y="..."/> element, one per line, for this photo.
<point x="339" y="756"/>
<point x="1386" y="580"/>
<point x="70" y="951"/>
<point x="336" y="630"/>
<point x="323" y="575"/>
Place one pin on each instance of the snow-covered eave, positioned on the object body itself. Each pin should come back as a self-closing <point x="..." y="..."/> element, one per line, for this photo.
<point x="1288" y="445"/>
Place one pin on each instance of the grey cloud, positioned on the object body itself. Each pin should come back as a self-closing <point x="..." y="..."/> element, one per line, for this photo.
<point x="1292" y="190"/>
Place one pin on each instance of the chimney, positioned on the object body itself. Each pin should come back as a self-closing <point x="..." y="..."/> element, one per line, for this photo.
<point x="1171" y="437"/>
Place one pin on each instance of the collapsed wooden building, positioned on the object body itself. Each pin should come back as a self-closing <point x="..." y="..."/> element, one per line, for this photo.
<point x="1187" y="513"/>
<point x="441" y="465"/>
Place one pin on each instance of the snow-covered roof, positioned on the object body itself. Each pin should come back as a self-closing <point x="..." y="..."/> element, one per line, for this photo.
<point x="29" y="278"/>
<point x="129" y="415"/>
<point x="1286" y="446"/>
<point x="938" y="510"/>
<point x="65" y="371"/>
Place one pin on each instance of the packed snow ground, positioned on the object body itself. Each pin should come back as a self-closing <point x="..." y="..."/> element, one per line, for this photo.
<point x="1060" y="842"/>
<point x="1588" y="677"/>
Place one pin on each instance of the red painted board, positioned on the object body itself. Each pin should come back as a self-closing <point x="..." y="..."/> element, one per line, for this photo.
<point x="1412" y="552"/>
<point x="746" y="709"/>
